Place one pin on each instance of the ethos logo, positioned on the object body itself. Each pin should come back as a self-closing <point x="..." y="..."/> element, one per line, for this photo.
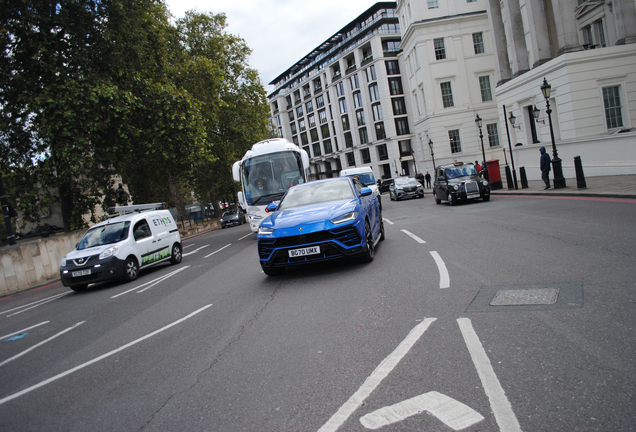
<point x="162" y="221"/>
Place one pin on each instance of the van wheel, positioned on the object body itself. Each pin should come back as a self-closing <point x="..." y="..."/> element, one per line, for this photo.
<point x="131" y="269"/>
<point x="79" y="288"/>
<point x="176" y="254"/>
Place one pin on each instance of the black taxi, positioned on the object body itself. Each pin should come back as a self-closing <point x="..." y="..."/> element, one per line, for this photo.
<point x="459" y="182"/>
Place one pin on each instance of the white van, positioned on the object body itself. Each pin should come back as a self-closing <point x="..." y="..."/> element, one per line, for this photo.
<point x="119" y="247"/>
<point x="365" y="175"/>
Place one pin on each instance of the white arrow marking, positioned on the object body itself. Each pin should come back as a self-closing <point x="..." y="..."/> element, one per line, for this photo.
<point x="452" y="413"/>
<point x="444" y="278"/>
<point x="387" y="221"/>
<point x="194" y="251"/>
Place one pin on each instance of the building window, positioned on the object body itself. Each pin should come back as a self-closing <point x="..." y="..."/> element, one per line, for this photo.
<point x="360" y="118"/>
<point x="432" y="4"/>
<point x="313" y="133"/>
<point x="493" y="134"/>
<point x="316" y="148"/>
<point x="380" y="133"/>
<point x="304" y="139"/>
<point x="440" y="50"/>
<point x="395" y="86"/>
<point x="289" y="102"/>
<point x="399" y="107"/>
<point x="297" y="97"/>
<point x="293" y="128"/>
<point x="405" y="148"/>
<point x="320" y="101"/>
<point x="455" y="142"/>
<point x="311" y="120"/>
<point x="291" y="115"/>
<point x="317" y="85"/>
<point x="324" y="130"/>
<point x="306" y="91"/>
<point x="322" y="116"/>
<point x="402" y="126"/>
<point x="342" y="103"/>
<point x="327" y="147"/>
<point x="377" y="112"/>
<point x="351" y="159"/>
<point x="601" y="33"/>
<point x="370" y="71"/>
<point x="447" y="94"/>
<point x="295" y="139"/>
<point x="310" y="106"/>
<point x="357" y="100"/>
<point x="301" y="125"/>
<point x="299" y="111"/>
<point x="364" y="137"/>
<point x="382" y="152"/>
<point x="392" y="67"/>
<point x="484" y="85"/>
<point x="340" y="89"/>
<point x="390" y="46"/>
<point x="374" y="92"/>
<point x="478" y="43"/>
<point x="613" y="111"/>
<point x="345" y="123"/>
<point x="348" y="140"/>
<point x="335" y="70"/>
<point x="365" y="155"/>
<point x="354" y="81"/>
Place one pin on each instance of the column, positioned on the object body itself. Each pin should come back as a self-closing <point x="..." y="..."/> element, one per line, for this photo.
<point x="625" y="18"/>
<point x="518" y="51"/>
<point x="566" y="28"/>
<point x="502" y="60"/>
<point x="539" y="33"/>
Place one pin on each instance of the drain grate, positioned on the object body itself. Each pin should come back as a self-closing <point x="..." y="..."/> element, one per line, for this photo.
<point x="522" y="297"/>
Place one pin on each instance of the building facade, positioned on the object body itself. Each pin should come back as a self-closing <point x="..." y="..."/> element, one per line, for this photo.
<point x="345" y="102"/>
<point x="451" y="76"/>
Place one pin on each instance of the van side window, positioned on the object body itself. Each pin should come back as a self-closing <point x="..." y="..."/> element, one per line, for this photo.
<point x="142" y="230"/>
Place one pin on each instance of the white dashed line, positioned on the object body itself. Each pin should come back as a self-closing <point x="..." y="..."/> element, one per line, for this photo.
<point x="413" y="236"/>
<point x="444" y="278"/>
<point x="217" y="250"/>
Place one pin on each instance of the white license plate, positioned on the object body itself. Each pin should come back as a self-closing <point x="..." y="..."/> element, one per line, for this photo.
<point x="81" y="273"/>
<point x="313" y="250"/>
<point x="469" y="196"/>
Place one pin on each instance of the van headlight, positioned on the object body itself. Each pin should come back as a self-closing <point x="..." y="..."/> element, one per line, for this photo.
<point x="107" y="253"/>
<point x="63" y="262"/>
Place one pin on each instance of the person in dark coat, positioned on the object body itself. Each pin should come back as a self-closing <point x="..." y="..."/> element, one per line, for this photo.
<point x="545" y="167"/>
<point x="427" y="177"/>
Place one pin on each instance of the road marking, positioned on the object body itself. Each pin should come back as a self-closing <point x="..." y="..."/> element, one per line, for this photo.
<point x="34" y="304"/>
<point x="250" y="234"/>
<point x="41" y="343"/>
<point x="152" y="282"/>
<point x="23" y="330"/>
<point x="376" y="377"/>
<point x="217" y="250"/>
<point x="388" y="221"/>
<point x="444" y="278"/>
<point x="95" y="360"/>
<point x="501" y="407"/>
<point x="190" y="245"/>
<point x="452" y="413"/>
<point x="414" y="237"/>
<point x="194" y="251"/>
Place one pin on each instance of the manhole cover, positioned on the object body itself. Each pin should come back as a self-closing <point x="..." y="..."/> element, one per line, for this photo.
<point x="519" y="297"/>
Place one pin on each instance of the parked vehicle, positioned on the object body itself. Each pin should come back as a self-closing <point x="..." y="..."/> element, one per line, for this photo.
<point x="383" y="185"/>
<point x="405" y="187"/>
<point x="318" y="221"/>
<point x="233" y="217"/>
<point x="459" y="182"/>
<point x="119" y="247"/>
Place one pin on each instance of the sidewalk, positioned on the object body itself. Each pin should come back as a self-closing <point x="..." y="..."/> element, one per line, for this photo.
<point x="622" y="186"/>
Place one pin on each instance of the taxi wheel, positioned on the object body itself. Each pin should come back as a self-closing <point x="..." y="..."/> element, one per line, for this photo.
<point x="369" y="253"/>
<point x="79" y="288"/>
<point x="176" y="254"/>
<point x="437" y="200"/>
<point x="451" y="201"/>
<point x="487" y="198"/>
<point x="131" y="269"/>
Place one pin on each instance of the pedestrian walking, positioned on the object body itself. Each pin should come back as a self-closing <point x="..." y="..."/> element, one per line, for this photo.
<point x="545" y="167"/>
<point x="427" y="177"/>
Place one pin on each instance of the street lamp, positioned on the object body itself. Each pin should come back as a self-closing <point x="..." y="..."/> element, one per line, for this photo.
<point x="559" y="181"/>
<point x="512" y="119"/>
<point x="536" y="112"/>
<point x="478" y="121"/>
<point x="430" y="144"/>
<point x="512" y="158"/>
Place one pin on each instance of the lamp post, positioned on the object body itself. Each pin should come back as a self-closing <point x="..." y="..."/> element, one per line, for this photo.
<point x="430" y="145"/>
<point x="478" y="121"/>
<point x="559" y="181"/>
<point x="512" y="158"/>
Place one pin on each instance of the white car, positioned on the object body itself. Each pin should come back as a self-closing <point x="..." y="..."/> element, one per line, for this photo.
<point x="119" y="247"/>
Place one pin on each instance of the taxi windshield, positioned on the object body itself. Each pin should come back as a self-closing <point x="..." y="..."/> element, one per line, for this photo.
<point x="104" y="234"/>
<point x="460" y="171"/>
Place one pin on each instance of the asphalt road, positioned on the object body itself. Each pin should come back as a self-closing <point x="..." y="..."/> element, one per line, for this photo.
<point x="411" y="341"/>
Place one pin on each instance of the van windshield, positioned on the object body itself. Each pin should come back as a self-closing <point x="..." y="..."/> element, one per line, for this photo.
<point x="366" y="178"/>
<point x="104" y="234"/>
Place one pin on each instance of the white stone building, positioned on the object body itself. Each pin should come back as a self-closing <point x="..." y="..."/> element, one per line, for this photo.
<point x="344" y="102"/>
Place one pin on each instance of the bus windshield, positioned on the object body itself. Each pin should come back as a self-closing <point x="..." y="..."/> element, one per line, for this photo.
<point x="267" y="177"/>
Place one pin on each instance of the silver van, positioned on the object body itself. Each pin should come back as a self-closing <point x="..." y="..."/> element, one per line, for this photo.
<point x="119" y="247"/>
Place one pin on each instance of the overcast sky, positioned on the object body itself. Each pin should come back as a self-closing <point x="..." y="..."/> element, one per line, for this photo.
<point x="279" y="32"/>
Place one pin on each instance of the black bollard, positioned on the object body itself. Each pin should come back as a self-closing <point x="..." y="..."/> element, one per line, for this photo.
<point x="580" y="177"/>
<point x="511" y="185"/>
<point x="524" y="179"/>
